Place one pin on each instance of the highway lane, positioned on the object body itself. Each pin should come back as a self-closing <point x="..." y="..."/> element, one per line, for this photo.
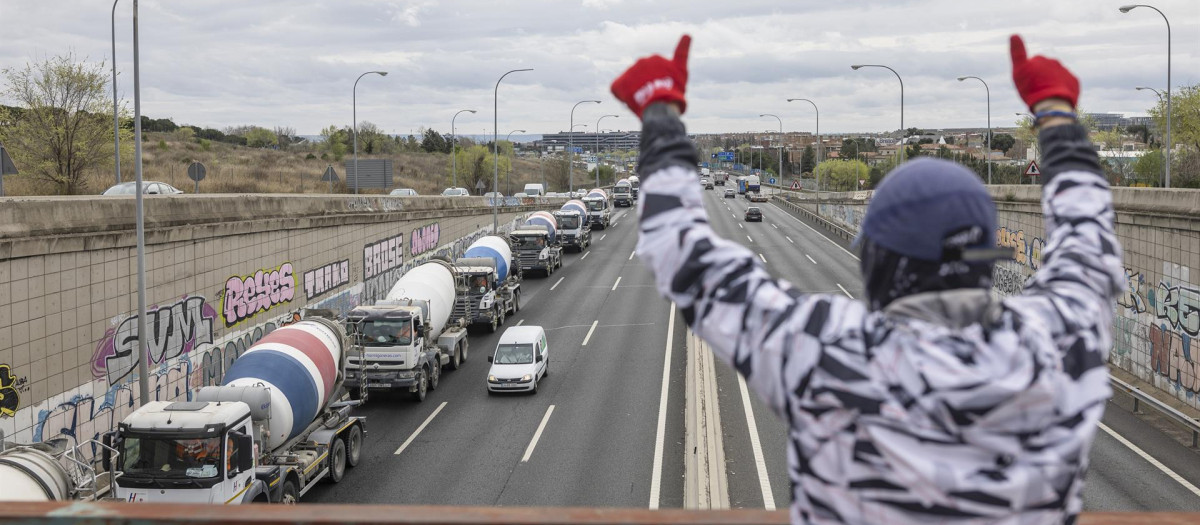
<point x="595" y="448"/>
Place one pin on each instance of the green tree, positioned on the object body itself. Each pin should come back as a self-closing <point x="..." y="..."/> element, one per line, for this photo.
<point x="1148" y="169"/>
<point x="1003" y="142"/>
<point x="1185" y="127"/>
<point x="432" y="142"/>
<point x="912" y="151"/>
<point x="607" y="174"/>
<point x="808" y="159"/>
<point x="257" y="137"/>
<point x="843" y="175"/>
<point x="62" y="131"/>
<point x="476" y="164"/>
<point x="335" y="142"/>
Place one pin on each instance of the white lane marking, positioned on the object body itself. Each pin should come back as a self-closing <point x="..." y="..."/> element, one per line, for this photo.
<point x="660" y="434"/>
<point x="740" y="226"/>
<point x="537" y="435"/>
<point x="419" y="429"/>
<point x="774" y="226"/>
<point x="616" y="283"/>
<point x="614" y="225"/>
<point x="764" y="482"/>
<point x="631" y="254"/>
<point x="1150" y="459"/>
<point x="748" y="237"/>
<point x="810" y="259"/>
<point x="815" y="231"/>
<point x="760" y="256"/>
<point x="734" y="215"/>
<point x="588" y="337"/>
<point x="789" y="239"/>
<point x="585" y="255"/>
<point x="843" y="288"/>
<point x="519" y="323"/>
<point x="560" y="280"/>
<point x="603" y="236"/>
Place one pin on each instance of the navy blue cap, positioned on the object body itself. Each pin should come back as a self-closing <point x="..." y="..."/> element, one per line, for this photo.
<point x="935" y="210"/>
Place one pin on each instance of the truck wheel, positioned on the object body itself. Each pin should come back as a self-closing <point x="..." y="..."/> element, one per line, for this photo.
<point x="337" y="460"/>
<point x="422" y="386"/>
<point x="290" y="494"/>
<point x="492" y="327"/>
<point x="456" y="359"/>
<point x="354" y="437"/>
<point x="500" y="313"/>
<point x="464" y="346"/>
<point x="435" y="374"/>
<point x="516" y="302"/>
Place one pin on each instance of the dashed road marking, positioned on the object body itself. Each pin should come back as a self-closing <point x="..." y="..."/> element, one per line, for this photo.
<point x="560" y="280"/>
<point x="616" y="283"/>
<point x="588" y="337"/>
<point x="764" y="259"/>
<point x="537" y="435"/>
<point x="631" y="254"/>
<point x="810" y="259"/>
<point x="843" y="288"/>
<point x="417" y="432"/>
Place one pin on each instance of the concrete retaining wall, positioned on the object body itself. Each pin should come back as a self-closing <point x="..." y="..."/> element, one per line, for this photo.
<point x="1156" y="321"/>
<point x="221" y="271"/>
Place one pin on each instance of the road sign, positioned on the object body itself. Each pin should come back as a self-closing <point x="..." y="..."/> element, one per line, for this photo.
<point x="196" y="171"/>
<point x="725" y="156"/>
<point x="1032" y="170"/>
<point x="329" y="175"/>
<point x="480" y="186"/>
<point x="6" y="164"/>
<point x="771" y="180"/>
<point x="795" y="185"/>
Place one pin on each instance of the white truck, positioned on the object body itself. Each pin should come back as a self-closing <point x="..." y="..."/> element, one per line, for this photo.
<point x="537" y="243"/>
<point x="49" y="471"/>
<point x="574" y="230"/>
<point x="634" y="182"/>
<point x="493" y="285"/>
<point x="599" y="213"/>
<point x="409" y="335"/>
<point x="278" y="424"/>
<point x="623" y="193"/>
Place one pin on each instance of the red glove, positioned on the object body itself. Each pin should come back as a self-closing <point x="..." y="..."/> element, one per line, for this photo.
<point x="655" y="79"/>
<point x="1040" y="78"/>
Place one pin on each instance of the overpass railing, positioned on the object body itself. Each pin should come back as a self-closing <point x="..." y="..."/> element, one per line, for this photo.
<point x="1139" y="396"/>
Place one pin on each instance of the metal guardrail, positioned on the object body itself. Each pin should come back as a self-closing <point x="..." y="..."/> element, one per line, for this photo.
<point x="114" y="513"/>
<point x="829" y="225"/>
<point x="1140" y="396"/>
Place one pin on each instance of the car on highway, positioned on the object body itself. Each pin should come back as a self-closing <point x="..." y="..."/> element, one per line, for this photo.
<point x="521" y="195"/>
<point x="403" y="192"/>
<point x="521" y="360"/>
<point x="758" y="197"/>
<point x="704" y="181"/>
<point x="708" y="185"/>
<point x="730" y="194"/>
<point x="494" y="195"/>
<point x="149" y="187"/>
<point x="753" y="214"/>
<point x="456" y="192"/>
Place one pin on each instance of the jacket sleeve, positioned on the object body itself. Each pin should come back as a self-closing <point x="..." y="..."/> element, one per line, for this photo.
<point x="1081" y="271"/>
<point x="764" y="328"/>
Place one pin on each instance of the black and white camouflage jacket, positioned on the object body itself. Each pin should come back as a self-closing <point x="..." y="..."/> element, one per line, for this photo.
<point x="947" y="407"/>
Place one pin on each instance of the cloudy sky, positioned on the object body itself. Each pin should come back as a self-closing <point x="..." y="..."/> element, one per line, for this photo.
<point x="220" y="63"/>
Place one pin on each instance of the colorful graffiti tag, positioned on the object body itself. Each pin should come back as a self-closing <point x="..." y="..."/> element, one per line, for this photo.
<point x="245" y="297"/>
<point x="319" y="281"/>
<point x="173" y="330"/>
<point x="1027" y="249"/>
<point x="424" y="239"/>
<point x="10" y="399"/>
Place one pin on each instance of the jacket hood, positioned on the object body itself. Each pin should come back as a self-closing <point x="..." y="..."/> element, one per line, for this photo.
<point x="950" y="308"/>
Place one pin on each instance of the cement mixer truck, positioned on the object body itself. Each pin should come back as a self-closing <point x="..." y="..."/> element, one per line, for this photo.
<point x="279" y="423"/>
<point x="599" y="213"/>
<point x="537" y="243"/>
<point x="49" y="471"/>
<point x="409" y="335"/>
<point x="493" y="288"/>
<point x="573" y="226"/>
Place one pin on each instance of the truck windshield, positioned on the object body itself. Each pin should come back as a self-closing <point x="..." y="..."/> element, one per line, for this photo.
<point x="623" y="190"/>
<point x="595" y="205"/>
<point x="530" y="242"/>
<point x="518" y="354"/>
<point x="384" y="332"/>
<point x="478" y="283"/>
<point x="568" y="222"/>
<point x="172" y="458"/>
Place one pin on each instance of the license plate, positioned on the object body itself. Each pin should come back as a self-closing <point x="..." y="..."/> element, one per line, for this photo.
<point x="380" y="385"/>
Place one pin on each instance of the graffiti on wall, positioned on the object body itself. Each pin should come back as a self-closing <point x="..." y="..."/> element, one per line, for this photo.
<point x="424" y="239"/>
<point x="1027" y="249"/>
<point x="172" y="331"/>
<point x="216" y="360"/>
<point x="1131" y="298"/>
<point x="10" y="399"/>
<point x="1179" y="306"/>
<point x="244" y="297"/>
<point x="849" y="216"/>
<point x="1008" y="280"/>
<point x="319" y="281"/>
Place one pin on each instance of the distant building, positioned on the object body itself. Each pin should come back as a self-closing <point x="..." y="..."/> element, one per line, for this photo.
<point x="1108" y="121"/>
<point x="616" y="140"/>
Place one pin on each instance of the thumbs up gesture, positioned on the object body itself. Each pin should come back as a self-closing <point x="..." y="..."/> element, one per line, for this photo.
<point x="655" y="79"/>
<point x="1040" y="78"/>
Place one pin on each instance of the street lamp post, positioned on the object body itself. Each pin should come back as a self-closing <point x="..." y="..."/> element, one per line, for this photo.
<point x="496" y="146"/>
<point x="139" y="211"/>
<point x="510" y="156"/>
<point x="354" y="109"/>
<point x="570" y="142"/>
<point x="989" y="122"/>
<point x="780" y="143"/>
<point x="857" y="66"/>
<point x="596" y="130"/>
<point x="454" y="148"/>
<point x="116" y="123"/>
<point x="818" y="131"/>
<point x="1160" y="98"/>
<point x="1167" y="148"/>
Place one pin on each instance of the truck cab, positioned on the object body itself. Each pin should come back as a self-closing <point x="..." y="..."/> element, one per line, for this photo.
<point x="575" y="231"/>
<point x="634" y="182"/>
<point x="599" y="214"/>
<point x="396" y="354"/>
<point x="536" y="250"/>
<point x="623" y="194"/>
<point x="486" y="300"/>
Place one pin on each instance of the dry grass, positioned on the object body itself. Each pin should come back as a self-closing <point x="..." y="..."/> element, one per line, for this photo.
<point x="239" y="169"/>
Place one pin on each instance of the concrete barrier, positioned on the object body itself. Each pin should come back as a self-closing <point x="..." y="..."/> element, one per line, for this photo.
<point x="222" y="271"/>
<point x="1156" y="321"/>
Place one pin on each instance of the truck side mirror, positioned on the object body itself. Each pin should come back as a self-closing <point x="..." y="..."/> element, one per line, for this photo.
<point x="539" y="358"/>
<point x="245" y="445"/>
<point x="110" y="441"/>
<point x="419" y="330"/>
<point x="489" y="359"/>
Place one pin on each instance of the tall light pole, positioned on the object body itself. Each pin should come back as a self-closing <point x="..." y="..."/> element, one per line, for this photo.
<point x="116" y="123"/>
<point x="780" y="143"/>
<point x="597" y="152"/>
<point x="857" y="66"/>
<point x="454" y="148"/>
<point x="570" y="142"/>
<point x="1156" y="92"/>
<point x="989" y="122"/>
<point x="510" y="156"/>
<point x="139" y="210"/>
<point x="1126" y="9"/>
<point x="818" y="111"/>
<point x="354" y="104"/>
<point x="496" y="145"/>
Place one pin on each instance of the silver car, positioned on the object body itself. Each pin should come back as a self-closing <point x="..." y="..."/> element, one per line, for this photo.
<point x="403" y="192"/>
<point x="149" y="187"/>
<point x="456" y="192"/>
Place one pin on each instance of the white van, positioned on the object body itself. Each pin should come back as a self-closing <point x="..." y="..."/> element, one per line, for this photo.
<point x="535" y="190"/>
<point x="521" y="360"/>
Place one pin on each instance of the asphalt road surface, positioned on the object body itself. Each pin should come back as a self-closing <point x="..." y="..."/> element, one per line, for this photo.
<point x="590" y="436"/>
